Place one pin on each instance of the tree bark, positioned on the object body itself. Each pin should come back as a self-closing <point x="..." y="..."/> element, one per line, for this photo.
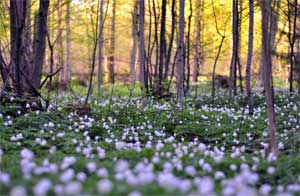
<point x="100" y="48"/>
<point x="169" y="52"/>
<point x="162" y="48"/>
<point x="134" y="43"/>
<point x="39" y="43"/>
<point x="274" y="15"/>
<point x="60" y="45"/>
<point x="26" y="59"/>
<point x="4" y="72"/>
<point x="111" y="65"/>
<point x="17" y="24"/>
<point x="142" y="44"/>
<point x="197" y="43"/>
<point x="267" y="63"/>
<point x="66" y="67"/>
<point x="188" y="48"/>
<point x="249" y="57"/>
<point x="234" y="58"/>
<point x="292" y="19"/>
<point x="155" y="87"/>
<point x="180" y="62"/>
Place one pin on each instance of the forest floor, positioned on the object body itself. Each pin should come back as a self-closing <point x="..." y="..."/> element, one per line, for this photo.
<point x="120" y="148"/>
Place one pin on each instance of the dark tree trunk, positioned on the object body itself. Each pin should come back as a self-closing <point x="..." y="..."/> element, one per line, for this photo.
<point x="240" y="20"/>
<point x="4" y="73"/>
<point x="150" y="48"/>
<point x="292" y="21"/>
<point x="17" y="24"/>
<point x="169" y="52"/>
<point x="162" y="48"/>
<point x="39" y="43"/>
<point x="180" y="63"/>
<point x="156" y="48"/>
<point x="249" y="57"/>
<point x="234" y="58"/>
<point x="142" y="45"/>
<point x="188" y="49"/>
<point x="26" y="59"/>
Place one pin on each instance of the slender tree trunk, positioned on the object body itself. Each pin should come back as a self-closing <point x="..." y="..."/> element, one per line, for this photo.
<point x="188" y="48"/>
<point x="197" y="43"/>
<point x="100" y="48"/>
<point x="292" y="20"/>
<point x="240" y="20"/>
<point x="111" y="63"/>
<point x="134" y="43"/>
<point x="234" y="58"/>
<point x="60" y="46"/>
<point x="169" y="52"/>
<point x="267" y="62"/>
<point x="180" y="62"/>
<point x="156" y="48"/>
<point x="150" y="50"/>
<point x="219" y="51"/>
<point x="162" y="48"/>
<point x="142" y="44"/>
<point x="66" y="67"/>
<point x="40" y="43"/>
<point x="213" y="91"/>
<point x="249" y="57"/>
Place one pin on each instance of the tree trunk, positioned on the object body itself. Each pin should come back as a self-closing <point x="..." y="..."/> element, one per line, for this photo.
<point x="298" y="60"/>
<point x="274" y="15"/>
<point x="39" y="43"/>
<point x="111" y="65"/>
<point x="180" y="62"/>
<point x="142" y="44"/>
<point x="17" y="24"/>
<point x="267" y="63"/>
<point x="66" y="67"/>
<point x="26" y="59"/>
<point x="234" y="58"/>
<point x="249" y="57"/>
<point x="60" y="48"/>
<point x="197" y="43"/>
<point x="4" y="72"/>
<point x="155" y="87"/>
<point x="134" y="43"/>
<point x="100" y="48"/>
<point x="292" y="19"/>
<point x="240" y="20"/>
<point x="150" y="48"/>
<point x="162" y="48"/>
<point x="169" y="52"/>
<point x="187" y="54"/>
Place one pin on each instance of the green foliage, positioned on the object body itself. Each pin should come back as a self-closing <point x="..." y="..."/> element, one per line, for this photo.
<point x="214" y="124"/>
